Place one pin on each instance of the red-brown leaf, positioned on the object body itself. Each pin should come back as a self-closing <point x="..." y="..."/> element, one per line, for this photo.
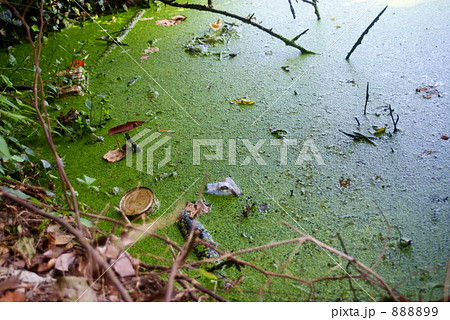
<point x="125" y="127"/>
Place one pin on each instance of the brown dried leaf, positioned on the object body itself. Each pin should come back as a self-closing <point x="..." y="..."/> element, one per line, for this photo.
<point x="143" y="58"/>
<point x="13" y="297"/>
<point x="171" y="22"/>
<point x="196" y="208"/>
<point x="124" y="267"/>
<point x="125" y="127"/>
<point x="217" y="25"/>
<point x="64" y="261"/>
<point x="151" y="50"/>
<point x="115" y="155"/>
<point x="62" y="238"/>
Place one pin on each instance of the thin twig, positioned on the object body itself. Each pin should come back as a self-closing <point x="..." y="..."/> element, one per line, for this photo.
<point x="358" y="42"/>
<point x="381" y="282"/>
<point x="292" y="8"/>
<point x="367" y="98"/>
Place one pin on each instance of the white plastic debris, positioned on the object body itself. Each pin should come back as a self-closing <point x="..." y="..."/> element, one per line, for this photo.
<point x="226" y="187"/>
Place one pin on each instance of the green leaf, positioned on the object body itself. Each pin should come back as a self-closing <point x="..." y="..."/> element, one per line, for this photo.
<point x="7" y="81"/>
<point x="88" y="179"/>
<point x="17" y="158"/>
<point x="17" y="193"/>
<point x="4" y="150"/>
<point x="35" y="28"/>
<point x="15" y="116"/>
<point x="207" y="274"/>
<point x="85" y="222"/>
<point x="6" y="102"/>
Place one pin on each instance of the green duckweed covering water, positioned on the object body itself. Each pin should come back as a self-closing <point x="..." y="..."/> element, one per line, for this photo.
<point x="321" y="94"/>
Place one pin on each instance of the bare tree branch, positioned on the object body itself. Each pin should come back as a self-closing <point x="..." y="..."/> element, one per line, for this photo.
<point x="240" y="18"/>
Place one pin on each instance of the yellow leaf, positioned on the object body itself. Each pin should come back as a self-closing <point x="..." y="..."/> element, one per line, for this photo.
<point x="381" y="130"/>
<point x="243" y="101"/>
<point x="217" y="25"/>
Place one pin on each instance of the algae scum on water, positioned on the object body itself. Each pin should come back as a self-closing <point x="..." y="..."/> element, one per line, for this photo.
<point x="284" y="150"/>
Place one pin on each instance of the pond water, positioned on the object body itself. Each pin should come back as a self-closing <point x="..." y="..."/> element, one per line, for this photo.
<point x="314" y="177"/>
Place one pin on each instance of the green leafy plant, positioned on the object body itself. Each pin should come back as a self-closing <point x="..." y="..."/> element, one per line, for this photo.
<point x="88" y="181"/>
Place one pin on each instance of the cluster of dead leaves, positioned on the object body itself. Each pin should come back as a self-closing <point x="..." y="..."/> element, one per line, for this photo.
<point x="39" y="261"/>
<point x="196" y="208"/>
<point x="429" y="91"/>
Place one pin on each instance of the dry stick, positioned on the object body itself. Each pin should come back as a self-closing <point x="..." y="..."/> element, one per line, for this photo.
<point x="80" y="237"/>
<point x="367" y="99"/>
<point x="237" y="17"/>
<point x="200" y="287"/>
<point x="394" y="122"/>
<point x="381" y="282"/>
<point x="187" y="248"/>
<point x="296" y="37"/>
<point x="45" y="123"/>
<point x="292" y="8"/>
<point x="316" y="8"/>
<point x="358" y="42"/>
<point x="338" y="235"/>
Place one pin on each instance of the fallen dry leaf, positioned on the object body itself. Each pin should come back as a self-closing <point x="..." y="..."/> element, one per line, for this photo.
<point x="124" y="267"/>
<point x="125" y="127"/>
<point x="12" y="297"/>
<point x="64" y="261"/>
<point x="243" y="101"/>
<point x="58" y="238"/>
<point x="151" y="50"/>
<point x="171" y="22"/>
<point x="217" y="25"/>
<point x="143" y="58"/>
<point x="196" y="208"/>
<point x="115" y="155"/>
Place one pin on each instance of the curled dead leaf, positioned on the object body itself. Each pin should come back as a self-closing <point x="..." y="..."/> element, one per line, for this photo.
<point x="64" y="261"/>
<point x="115" y="155"/>
<point x="125" y="127"/>
<point x="217" y="25"/>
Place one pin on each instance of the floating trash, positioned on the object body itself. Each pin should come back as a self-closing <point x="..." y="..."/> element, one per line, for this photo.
<point x="138" y="201"/>
<point x="226" y="187"/>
